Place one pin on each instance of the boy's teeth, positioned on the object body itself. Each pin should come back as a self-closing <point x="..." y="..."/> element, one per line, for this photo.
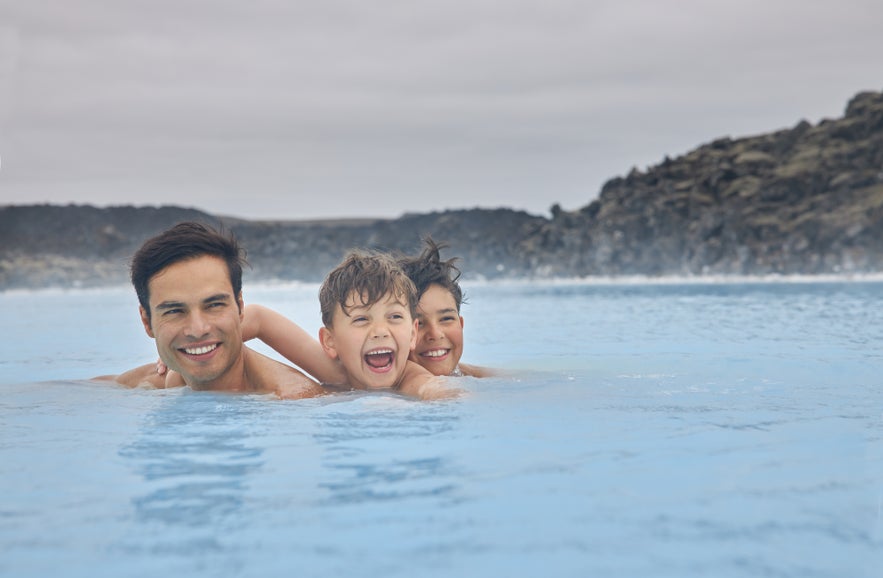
<point x="199" y="350"/>
<point x="435" y="353"/>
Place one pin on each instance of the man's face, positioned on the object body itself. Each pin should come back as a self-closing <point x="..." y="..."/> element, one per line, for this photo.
<point x="439" y="332"/>
<point x="372" y="342"/>
<point x="196" y="321"/>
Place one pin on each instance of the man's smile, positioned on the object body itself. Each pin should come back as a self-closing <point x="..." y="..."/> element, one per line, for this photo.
<point x="197" y="351"/>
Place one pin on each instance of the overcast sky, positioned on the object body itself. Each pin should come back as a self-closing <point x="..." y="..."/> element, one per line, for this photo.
<point x="295" y="109"/>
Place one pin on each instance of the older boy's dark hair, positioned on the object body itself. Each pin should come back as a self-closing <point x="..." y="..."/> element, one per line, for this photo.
<point x="428" y="269"/>
<point x="187" y="240"/>
<point x="371" y="275"/>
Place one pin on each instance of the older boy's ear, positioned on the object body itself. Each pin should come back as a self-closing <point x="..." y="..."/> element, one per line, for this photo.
<point x="326" y="338"/>
<point x="414" y="329"/>
<point x="145" y="320"/>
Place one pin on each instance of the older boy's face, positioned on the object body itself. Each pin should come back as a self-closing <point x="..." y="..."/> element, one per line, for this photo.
<point x="439" y="332"/>
<point x="196" y="320"/>
<point x="372" y="342"/>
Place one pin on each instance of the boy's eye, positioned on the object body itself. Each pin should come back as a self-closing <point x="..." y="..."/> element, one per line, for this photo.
<point x="447" y="319"/>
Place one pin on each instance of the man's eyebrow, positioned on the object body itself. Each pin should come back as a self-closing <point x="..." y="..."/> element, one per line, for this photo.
<point x="217" y="297"/>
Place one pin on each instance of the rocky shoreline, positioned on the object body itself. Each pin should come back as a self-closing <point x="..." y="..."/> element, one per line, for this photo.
<point x="802" y="201"/>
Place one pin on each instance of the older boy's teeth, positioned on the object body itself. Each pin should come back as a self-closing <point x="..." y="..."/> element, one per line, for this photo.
<point x="435" y="353"/>
<point x="199" y="350"/>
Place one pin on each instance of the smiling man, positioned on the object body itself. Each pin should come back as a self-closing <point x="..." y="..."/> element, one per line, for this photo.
<point x="189" y="285"/>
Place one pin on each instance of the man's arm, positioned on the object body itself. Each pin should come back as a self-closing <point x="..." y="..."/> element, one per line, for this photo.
<point x="143" y="376"/>
<point x="292" y="342"/>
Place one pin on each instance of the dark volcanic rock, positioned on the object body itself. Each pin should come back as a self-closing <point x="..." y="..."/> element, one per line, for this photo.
<point x="805" y="200"/>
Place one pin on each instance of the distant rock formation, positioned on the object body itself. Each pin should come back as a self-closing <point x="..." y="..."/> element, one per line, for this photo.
<point x="806" y="200"/>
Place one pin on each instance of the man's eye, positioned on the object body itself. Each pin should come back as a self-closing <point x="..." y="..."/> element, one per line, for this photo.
<point x="169" y="312"/>
<point x="447" y="319"/>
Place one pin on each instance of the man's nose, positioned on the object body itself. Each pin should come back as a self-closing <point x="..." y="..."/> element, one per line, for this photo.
<point x="197" y="324"/>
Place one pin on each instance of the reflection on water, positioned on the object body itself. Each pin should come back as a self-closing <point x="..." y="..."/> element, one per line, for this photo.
<point x="195" y="457"/>
<point x="360" y="469"/>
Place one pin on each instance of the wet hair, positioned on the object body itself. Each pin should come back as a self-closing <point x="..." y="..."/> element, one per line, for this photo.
<point x="428" y="269"/>
<point x="370" y="275"/>
<point x="184" y="241"/>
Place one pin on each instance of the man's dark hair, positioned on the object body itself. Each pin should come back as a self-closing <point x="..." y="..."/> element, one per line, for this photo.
<point x="428" y="269"/>
<point x="181" y="242"/>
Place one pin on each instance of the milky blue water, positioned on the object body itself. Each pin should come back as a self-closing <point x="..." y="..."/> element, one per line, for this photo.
<point x="669" y="430"/>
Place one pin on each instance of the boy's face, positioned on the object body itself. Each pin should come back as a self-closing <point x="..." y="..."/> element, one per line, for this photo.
<point x="372" y="342"/>
<point x="196" y="320"/>
<point x="439" y="332"/>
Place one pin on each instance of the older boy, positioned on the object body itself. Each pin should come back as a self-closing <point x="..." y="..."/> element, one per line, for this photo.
<point x="189" y="285"/>
<point x="439" y="344"/>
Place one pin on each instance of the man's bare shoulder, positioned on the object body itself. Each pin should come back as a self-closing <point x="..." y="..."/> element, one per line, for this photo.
<point x="287" y="382"/>
<point x="144" y="376"/>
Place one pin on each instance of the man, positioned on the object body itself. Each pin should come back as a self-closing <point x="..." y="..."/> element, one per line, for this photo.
<point x="189" y="285"/>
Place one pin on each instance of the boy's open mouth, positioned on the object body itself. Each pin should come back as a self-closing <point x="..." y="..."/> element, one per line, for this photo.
<point x="380" y="358"/>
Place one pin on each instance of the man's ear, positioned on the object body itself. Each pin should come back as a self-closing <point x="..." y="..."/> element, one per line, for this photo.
<point x="241" y="304"/>
<point x="326" y="338"/>
<point x="145" y="320"/>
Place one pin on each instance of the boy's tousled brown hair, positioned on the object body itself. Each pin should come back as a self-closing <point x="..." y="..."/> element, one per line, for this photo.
<point x="428" y="269"/>
<point x="370" y="275"/>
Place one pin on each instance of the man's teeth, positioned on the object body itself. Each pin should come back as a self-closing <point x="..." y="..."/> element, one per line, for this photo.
<point x="199" y="350"/>
<point x="435" y="353"/>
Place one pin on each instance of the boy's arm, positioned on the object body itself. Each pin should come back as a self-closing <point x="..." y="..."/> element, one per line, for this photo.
<point x="418" y="382"/>
<point x="292" y="342"/>
<point x="479" y="371"/>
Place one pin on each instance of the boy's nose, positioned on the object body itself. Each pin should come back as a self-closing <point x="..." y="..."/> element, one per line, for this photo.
<point x="380" y="329"/>
<point x="432" y="332"/>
